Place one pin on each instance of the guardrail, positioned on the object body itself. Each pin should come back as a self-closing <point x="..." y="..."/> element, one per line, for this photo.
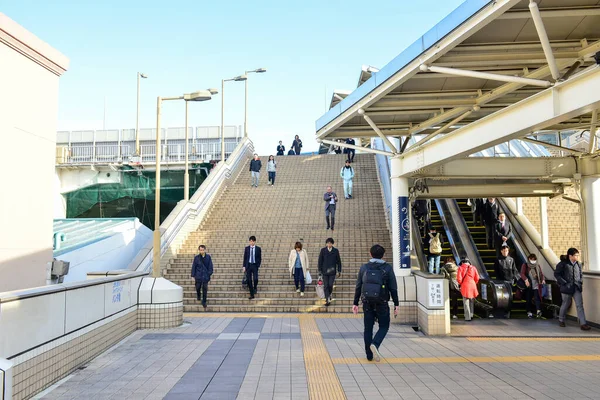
<point x="187" y="216"/>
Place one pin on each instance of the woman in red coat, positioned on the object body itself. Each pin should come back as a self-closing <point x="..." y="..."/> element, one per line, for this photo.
<point x="467" y="277"/>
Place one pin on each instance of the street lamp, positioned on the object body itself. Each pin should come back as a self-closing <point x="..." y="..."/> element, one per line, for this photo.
<point x="186" y="175"/>
<point x="201" y="95"/>
<point x="236" y="79"/>
<point x="257" y="71"/>
<point x="137" y="115"/>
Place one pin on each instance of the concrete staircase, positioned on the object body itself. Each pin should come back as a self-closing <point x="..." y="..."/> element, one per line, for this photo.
<point x="290" y="211"/>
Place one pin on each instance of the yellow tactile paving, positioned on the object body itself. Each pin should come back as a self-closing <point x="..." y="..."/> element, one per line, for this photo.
<point x="447" y="360"/>
<point x="323" y="382"/>
<point x="269" y="315"/>
<point x="537" y="339"/>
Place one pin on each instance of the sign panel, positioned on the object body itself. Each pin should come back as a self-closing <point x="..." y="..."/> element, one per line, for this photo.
<point x="404" y="235"/>
<point x="435" y="293"/>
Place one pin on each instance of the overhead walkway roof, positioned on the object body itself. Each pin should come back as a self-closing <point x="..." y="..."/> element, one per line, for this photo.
<point x="80" y="232"/>
<point x="408" y="98"/>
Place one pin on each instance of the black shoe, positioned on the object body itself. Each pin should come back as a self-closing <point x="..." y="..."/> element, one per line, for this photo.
<point x="562" y="324"/>
<point x="369" y="354"/>
<point x="332" y="229"/>
<point x="198" y="298"/>
<point x="251" y="298"/>
<point x="204" y="306"/>
<point x="328" y="228"/>
<point x="350" y="196"/>
<point x="327" y="304"/>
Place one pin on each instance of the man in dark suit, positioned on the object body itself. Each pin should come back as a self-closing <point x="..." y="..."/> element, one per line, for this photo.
<point x="252" y="259"/>
<point x="330" y="263"/>
<point x="492" y="210"/>
<point x="202" y="270"/>
<point x="330" y="201"/>
<point x="351" y="152"/>
<point x="503" y="232"/>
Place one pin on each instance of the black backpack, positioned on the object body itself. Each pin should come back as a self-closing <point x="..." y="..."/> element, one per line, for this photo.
<point x="373" y="285"/>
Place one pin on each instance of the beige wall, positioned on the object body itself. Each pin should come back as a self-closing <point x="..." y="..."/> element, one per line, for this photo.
<point x="564" y="225"/>
<point x="28" y="119"/>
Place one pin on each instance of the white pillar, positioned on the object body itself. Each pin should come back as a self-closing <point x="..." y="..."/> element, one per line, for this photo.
<point x="544" y="232"/>
<point x="590" y="190"/>
<point x="400" y="220"/>
<point x="519" y="204"/>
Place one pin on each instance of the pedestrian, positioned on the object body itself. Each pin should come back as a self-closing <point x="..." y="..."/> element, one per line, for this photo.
<point x="255" y="166"/>
<point x="347" y="174"/>
<point x="568" y="275"/>
<point x="330" y="199"/>
<point x="433" y="242"/>
<point x="202" y="270"/>
<point x="490" y="218"/>
<point x="374" y="285"/>
<point x="350" y="151"/>
<point x="330" y="264"/>
<point x="479" y="211"/>
<point x="271" y="169"/>
<point x="252" y="261"/>
<point x="503" y="232"/>
<point x="297" y="145"/>
<point x="298" y="266"/>
<point x="506" y="271"/>
<point x="337" y="149"/>
<point x="280" y="149"/>
<point x="467" y="277"/>
<point x="422" y="213"/>
<point x="532" y="275"/>
<point x="450" y="271"/>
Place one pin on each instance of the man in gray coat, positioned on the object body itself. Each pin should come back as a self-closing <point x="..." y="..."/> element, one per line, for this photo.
<point x="330" y="199"/>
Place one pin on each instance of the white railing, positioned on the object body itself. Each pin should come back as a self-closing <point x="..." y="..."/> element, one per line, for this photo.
<point x="187" y="216"/>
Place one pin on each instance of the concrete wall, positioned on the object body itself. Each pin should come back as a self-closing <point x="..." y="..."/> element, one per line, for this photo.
<point x="29" y="74"/>
<point x="112" y="253"/>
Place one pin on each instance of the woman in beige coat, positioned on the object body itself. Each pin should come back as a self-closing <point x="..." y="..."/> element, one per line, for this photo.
<point x="298" y="265"/>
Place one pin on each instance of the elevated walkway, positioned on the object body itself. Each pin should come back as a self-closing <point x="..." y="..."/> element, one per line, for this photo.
<point x="292" y="210"/>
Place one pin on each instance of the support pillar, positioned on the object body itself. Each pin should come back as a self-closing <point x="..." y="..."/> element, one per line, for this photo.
<point x="401" y="243"/>
<point x="519" y="204"/>
<point x="590" y="190"/>
<point x="544" y="231"/>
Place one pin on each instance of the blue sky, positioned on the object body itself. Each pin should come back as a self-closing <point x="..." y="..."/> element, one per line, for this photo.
<point x="309" y="47"/>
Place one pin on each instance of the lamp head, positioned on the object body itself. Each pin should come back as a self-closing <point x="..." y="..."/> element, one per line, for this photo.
<point x="240" y="78"/>
<point x="260" y="70"/>
<point x="213" y="91"/>
<point x="200" y="95"/>
<point x="142" y="75"/>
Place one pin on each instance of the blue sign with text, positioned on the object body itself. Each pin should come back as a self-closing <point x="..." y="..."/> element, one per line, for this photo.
<point x="404" y="228"/>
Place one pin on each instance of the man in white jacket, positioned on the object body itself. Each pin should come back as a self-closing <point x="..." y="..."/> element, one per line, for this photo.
<point x="347" y="173"/>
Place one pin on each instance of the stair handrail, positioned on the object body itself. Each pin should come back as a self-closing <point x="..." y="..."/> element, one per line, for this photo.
<point x="196" y="207"/>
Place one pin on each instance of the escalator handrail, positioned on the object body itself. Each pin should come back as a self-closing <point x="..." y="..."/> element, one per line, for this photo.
<point x="449" y="235"/>
<point x="418" y="245"/>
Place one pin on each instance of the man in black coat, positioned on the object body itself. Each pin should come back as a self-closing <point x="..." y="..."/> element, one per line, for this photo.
<point x="202" y="270"/>
<point x="330" y="199"/>
<point x="506" y="271"/>
<point x="255" y="166"/>
<point x="502" y="232"/>
<point x="492" y="210"/>
<point x="330" y="263"/>
<point x="569" y="277"/>
<point x="351" y="151"/>
<point x="280" y="149"/>
<point x="252" y="260"/>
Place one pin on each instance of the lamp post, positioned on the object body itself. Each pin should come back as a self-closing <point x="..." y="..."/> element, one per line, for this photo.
<point x="237" y="79"/>
<point x="201" y="95"/>
<point x="137" y="115"/>
<point x="186" y="175"/>
<point x="258" y="71"/>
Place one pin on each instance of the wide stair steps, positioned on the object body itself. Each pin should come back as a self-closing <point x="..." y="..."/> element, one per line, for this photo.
<point x="290" y="211"/>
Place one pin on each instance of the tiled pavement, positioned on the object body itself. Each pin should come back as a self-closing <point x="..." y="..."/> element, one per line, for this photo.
<point x="280" y="357"/>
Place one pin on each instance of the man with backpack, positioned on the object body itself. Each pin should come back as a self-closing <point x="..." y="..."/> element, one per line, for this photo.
<point x="347" y="174"/>
<point x="433" y="243"/>
<point x="375" y="283"/>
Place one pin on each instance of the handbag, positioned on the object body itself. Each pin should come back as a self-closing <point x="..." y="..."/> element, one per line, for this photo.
<point x="320" y="288"/>
<point x="245" y="282"/>
<point x="545" y="291"/>
<point x="521" y="284"/>
<point x="518" y="294"/>
<point x="308" y="279"/>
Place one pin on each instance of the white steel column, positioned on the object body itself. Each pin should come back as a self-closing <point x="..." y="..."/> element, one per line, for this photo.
<point x="401" y="242"/>
<point x="186" y="175"/>
<point x="590" y="190"/>
<point x="544" y="232"/>
<point x="519" y="204"/>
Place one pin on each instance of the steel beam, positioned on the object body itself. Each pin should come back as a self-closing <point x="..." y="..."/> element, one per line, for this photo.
<point x="486" y="75"/>
<point x="541" y="30"/>
<point x="578" y="95"/>
<point x="491" y="190"/>
<point x="351" y="146"/>
<point x="378" y="131"/>
<point x="547" y="168"/>
<point x="556" y="12"/>
<point x="552" y="146"/>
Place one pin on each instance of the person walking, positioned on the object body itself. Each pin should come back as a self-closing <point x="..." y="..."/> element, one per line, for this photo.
<point x="491" y="213"/>
<point x="349" y="150"/>
<point x="479" y="211"/>
<point x="374" y="285"/>
<point x="450" y="270"/>
<point x="271" y="169"/>
<point x="252" y="261"/>
<point x="330" y="199"/>
<point x="506" y="271"/>
<point x="502" y="232"/>
<point x="280" y="149"/>
<point x="467" y="277"/>
<point x="202" y="270"/>
<point x="298" y="266"/>
<point x="297" y="145"/>
<point x="568" y="275"/>
<point x="330" y="264"/>
<point x="433" y="242"/>
<point x="532" y="275"/>
<point x="347" y="174"/>
<point x="255" y="166"/>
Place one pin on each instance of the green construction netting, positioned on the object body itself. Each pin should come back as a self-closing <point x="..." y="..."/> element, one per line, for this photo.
<point x="133" y="196"/>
